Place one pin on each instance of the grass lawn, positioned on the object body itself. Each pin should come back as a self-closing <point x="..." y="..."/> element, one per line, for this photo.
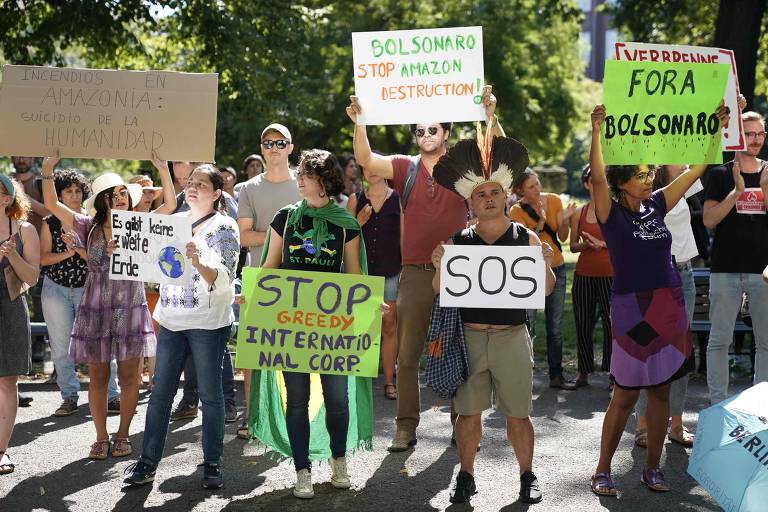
<point x="568" y="329"/>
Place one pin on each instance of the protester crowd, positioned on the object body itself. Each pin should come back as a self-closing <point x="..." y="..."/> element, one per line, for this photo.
<point x="387" y="216"/>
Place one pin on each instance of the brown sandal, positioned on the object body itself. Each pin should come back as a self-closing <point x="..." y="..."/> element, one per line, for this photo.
<point x="681" y="435"/>
<point x="6" y="466"/>
<point x="99" y="450"/>
<point x="390" y="391"/>
<point x="641" y="437"/>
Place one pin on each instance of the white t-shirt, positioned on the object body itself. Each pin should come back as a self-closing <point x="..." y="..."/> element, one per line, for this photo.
<point x="198" y="304"/>
<point x="678" y="221"/>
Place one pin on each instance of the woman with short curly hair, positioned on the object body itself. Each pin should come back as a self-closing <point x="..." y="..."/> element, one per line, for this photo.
<point x="19" y="259"/>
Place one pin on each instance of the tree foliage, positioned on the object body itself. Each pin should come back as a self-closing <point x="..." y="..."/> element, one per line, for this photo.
<point x="291" y="62"/>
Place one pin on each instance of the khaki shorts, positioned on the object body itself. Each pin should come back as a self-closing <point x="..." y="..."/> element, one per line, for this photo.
<point x="500" y="361"/>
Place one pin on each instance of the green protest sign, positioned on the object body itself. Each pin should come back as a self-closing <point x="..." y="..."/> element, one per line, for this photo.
<point x="313" y="322"/>
<point x="662" y="112"/>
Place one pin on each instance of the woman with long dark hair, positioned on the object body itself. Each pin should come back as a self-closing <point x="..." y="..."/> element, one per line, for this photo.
<point x="195" y="320"/>
<point x="19" y="263"/>
<point x="112" y="319"/>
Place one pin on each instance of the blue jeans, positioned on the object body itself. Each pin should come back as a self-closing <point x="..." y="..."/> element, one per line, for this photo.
<point x="206" y="346"/>
<point x="59" y="305"/>
<point x="297" y="414"/>
<point x="725" y="291"/>
<point x="679" y="388"/>
<point x="191" y="395"/>
<point x="554" y="306"/>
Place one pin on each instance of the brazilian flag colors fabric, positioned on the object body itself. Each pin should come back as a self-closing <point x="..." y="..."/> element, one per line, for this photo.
<point x="266" y="418"/>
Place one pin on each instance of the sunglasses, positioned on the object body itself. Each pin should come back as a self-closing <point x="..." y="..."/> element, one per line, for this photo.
<point x="420" y="132"/>
<point x="120" y="194"/>
<point x="280" y="143"/>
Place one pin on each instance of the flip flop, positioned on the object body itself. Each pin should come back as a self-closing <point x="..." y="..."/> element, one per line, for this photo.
<point x="641" y="437"/>
<point x="6" y="466"/>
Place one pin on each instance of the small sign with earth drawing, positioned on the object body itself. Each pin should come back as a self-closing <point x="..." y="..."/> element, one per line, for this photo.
<point x="150" y="247"/>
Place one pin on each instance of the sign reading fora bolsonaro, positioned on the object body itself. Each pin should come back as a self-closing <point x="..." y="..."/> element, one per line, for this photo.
<point x="662" y="112"/>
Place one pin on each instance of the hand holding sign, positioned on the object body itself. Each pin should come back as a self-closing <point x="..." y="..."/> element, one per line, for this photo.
<point x="598" y="117"/>
<point x="193" y="253"/>
<point x="111" y="246"/>
<point x="354" y="109"/>
<point x="489" y="102"/>
<point x="49" y="163"/>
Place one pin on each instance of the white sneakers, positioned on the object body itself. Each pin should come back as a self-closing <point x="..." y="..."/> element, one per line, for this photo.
<point x="339" y="479"/>
<point x="303" y="487"/>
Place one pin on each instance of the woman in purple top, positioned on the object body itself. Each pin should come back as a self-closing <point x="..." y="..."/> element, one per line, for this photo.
<point x="112" y="320"/>
<point x="651" y="344"/>
<point x="378" y="211"/>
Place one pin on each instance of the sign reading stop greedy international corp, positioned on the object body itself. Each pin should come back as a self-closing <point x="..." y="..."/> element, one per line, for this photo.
<point x="310" y="322"/>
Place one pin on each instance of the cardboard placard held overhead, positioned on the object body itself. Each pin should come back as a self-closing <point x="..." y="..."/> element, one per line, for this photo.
<point x="733" y="135"/>
<point x="474" y="276"/>
<point x="312" y="322"/>
<point x="414" y="76"/>
<point x="151" y="247"/>
<point x="662" y="112"/>
<point x="102" y="113"/>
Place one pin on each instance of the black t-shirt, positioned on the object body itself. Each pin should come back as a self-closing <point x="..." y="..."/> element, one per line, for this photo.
<point x="516" y="234"/>
<point x="740" y="244"/>
<point x="299" y="253"/>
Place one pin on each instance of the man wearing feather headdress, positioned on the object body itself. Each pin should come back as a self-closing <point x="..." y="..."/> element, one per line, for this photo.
<point x="431" y="214"/>
<point x="499" y="350"/>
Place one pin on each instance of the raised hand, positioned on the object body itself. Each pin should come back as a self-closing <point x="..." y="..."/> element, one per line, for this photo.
<point x="160" y="165"/>
<point x="569" y="210"/>
<point x="49" y="162"/>
<point x="354" y="109"/>
<point x="598" y="116"/>
<point x="489" y="101"/>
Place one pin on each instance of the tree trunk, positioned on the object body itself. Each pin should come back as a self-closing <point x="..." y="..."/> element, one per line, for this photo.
<point x="738" y="28"/>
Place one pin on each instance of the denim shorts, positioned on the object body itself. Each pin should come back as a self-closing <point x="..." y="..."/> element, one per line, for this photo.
<point x="391" y="285"/>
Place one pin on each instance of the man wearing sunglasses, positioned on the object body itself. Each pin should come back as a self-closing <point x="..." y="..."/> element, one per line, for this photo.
<point x="260" y="198"/>
<point x="431" y="215"/>
<point x="735" y="203"/>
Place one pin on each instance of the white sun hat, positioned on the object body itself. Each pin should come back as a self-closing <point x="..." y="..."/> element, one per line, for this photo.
<point x="107" y="181"/>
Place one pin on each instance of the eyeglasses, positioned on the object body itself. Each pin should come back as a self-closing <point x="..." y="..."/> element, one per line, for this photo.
<point x="280" y="143"/>
<point x="420" y="131"/>
<point x="755" y="135"/>
<point x="120" y="194"/>
<point x="645" y="176"/>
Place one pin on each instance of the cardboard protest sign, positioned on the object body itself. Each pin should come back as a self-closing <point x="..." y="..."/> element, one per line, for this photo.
<point x="150" y="247"/>
<point x="313" y="322"/>
<point x="733" y="135"/>
<point x="415" y="76"/>
<point x="475" y="276"/>
<point x="662" y="112"/>
<point x="101" y="113"/>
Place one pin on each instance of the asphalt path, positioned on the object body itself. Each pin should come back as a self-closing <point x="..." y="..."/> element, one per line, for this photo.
<point x="54" y="474"/>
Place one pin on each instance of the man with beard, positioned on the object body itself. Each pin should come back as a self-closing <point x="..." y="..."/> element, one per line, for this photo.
<point x="735" y="201"/>
<point x="431" y="214"/>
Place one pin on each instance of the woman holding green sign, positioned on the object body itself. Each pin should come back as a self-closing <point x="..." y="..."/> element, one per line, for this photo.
<point x="316" y="235"/>
<point x="651" y="338"/>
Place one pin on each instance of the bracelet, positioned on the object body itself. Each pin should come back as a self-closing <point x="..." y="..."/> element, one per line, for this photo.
<point x="47" y="176"/>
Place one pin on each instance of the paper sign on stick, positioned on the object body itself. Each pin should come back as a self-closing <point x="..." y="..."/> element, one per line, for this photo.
<point x="313" y="322"/>
<point x="474" y="276"/>
<point x="415" y="76"/>
<point x="100" y="113"/>
<point x="733" y="135"/>
<point x="662" y="112"/>
<point x="150" y="247"/>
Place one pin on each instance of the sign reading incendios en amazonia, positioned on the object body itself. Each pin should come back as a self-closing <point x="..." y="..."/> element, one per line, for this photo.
<point x="411" y="76"/>
<point x="312" y="322"/>
<point x="662" y="112"/>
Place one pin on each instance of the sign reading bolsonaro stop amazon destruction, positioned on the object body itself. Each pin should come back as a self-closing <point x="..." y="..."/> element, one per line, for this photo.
<point x="662" y="112"/>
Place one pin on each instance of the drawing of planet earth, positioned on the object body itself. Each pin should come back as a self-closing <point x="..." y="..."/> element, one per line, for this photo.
<point x="171" y="262"/>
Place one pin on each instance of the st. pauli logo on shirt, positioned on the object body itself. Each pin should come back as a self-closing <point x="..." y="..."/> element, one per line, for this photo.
<point x="751" y="201"/>
<point x="150" y="247"/>
<point x="662" y="112"/>
<point x="306" y="252"/>
<point x="310" y="322"/>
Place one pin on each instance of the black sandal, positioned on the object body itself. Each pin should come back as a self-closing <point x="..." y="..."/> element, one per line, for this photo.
<point x="6" y="466"/>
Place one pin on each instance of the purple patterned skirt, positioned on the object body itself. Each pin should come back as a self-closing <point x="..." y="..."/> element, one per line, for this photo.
<point x="651" y="338"/>
<point x="112" y="321"/>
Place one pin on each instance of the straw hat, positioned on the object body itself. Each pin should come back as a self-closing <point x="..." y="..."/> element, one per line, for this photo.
<point x="107" y="181"/>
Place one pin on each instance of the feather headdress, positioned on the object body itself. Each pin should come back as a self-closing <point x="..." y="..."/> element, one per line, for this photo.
<point x="470" y="163"/>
